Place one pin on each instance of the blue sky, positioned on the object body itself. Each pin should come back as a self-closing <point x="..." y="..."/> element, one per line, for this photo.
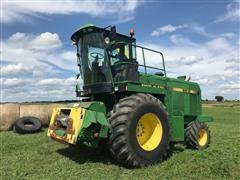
<point x="198" y="38"/>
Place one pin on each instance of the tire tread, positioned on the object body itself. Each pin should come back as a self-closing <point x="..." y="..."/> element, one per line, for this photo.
<point x="118" y="124"/>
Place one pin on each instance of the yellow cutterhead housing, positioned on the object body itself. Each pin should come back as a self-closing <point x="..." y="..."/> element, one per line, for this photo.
<point x="66" y="123"/>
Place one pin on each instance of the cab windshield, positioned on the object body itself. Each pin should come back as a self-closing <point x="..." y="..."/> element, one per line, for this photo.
<point x="93" y="59"/>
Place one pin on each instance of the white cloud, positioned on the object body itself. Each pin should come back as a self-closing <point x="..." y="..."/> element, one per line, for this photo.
<point x="50" y="89"/>
<point x="189" y="60"/>
<point x="46" y="41"/>
<point x="219" y="44"/>
<point x="199" y="30"/>
<point x="234" y="60"/>
<point x="32" y="66"/>
<point x="51" y="82"/>
<point x="181" y="40"/>
<point x="13" y="69"/>
<point x="196" y="28"/>
<point x="16" y="70"/>
<point x="23" y="10"/>
<point x="69" y="55"/>
<point x="42" y="42"/>
<point x="192" y="28"/>
<point x="17" y="36"/>
<point x="232" y="12"/>
<point x="231" y="86"/>
<point x="228" y="35"/>
<point x="38" y="51"/>
<point x="167" y="29"/>
<point x="13" y="82"/>
<point x="232" y="67"/>
<point x="42" y="71"/>
<point x="200" y="80"/>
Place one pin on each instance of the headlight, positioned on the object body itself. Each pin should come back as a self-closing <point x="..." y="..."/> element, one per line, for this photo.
<point x="107" y="40"/>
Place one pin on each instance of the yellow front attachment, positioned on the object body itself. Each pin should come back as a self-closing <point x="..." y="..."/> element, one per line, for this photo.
<point x="202" y="137"/>
<point x="74" y="122"/>
<point x="149" y="131"/>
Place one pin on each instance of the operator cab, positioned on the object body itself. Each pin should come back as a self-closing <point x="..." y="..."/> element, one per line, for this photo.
<point x="104" y="57"/>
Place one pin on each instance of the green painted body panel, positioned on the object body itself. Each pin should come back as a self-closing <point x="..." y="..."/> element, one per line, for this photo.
<point x="177" y="128"/>
<point x="204" y="118"/>
<point x="95" y="115"/>
<point x="92" y="105"/>
<point x="145" y="89"/>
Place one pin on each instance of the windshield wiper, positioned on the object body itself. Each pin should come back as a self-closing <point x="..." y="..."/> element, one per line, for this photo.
<point x="79" y="63"/>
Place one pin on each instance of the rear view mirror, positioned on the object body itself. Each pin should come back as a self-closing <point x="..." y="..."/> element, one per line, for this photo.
<point x="112" y="33"/>
<point x="113" y="30"/>
<point x="77" y="76"/>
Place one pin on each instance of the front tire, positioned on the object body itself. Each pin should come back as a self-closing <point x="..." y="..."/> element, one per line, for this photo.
<point x="139" y="131"/>
<point x="197" y="135"/>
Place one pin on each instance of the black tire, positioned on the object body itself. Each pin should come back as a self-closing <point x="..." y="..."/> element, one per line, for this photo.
<point x="27" y="124"/>
<point x="193" y="135"/>
<point x="123" y="143"/>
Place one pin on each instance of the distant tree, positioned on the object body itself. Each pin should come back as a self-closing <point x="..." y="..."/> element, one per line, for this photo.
<point x="219" y="98"/>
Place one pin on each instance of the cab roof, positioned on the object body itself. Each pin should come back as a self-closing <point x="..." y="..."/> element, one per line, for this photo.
<point x="83" y="29"/>
<point x="87" y="28"/>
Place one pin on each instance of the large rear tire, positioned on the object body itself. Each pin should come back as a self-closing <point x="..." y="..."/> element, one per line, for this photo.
<point x="139" y="131"/>
<point x="197" y="135"/>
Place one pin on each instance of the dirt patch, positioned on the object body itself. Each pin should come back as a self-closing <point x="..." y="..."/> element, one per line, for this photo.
<point x="9" y="113"/>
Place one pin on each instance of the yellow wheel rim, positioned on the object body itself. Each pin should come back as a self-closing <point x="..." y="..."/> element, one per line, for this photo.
<point x="149" y="131"/>
<point x="202" y="137"/>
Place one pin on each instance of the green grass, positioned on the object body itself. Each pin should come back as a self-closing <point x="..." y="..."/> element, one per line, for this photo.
<point x="35" y="156"/>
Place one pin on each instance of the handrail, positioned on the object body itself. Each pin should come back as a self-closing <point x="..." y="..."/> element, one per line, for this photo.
<point x="148" y="49"/>
<point x="127" y="62"/>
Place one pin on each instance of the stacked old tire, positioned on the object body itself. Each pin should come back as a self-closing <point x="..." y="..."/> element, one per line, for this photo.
<point x="27" y="124"/>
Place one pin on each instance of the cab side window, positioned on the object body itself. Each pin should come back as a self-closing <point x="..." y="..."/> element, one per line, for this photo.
<point x="114" y="55"/>
<point x="134" y="54"/>
<point x="126" y="51"/>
